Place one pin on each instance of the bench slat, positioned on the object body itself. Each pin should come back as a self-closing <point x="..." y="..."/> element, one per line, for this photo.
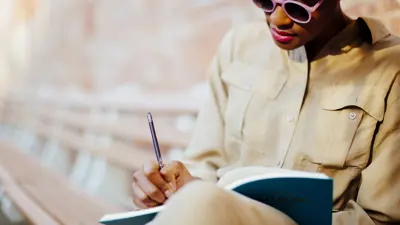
<point x="54" y="194"/>
<point x="118" y="154"/>
<point x="136" y="130"/>
<point x="32" y="212"/>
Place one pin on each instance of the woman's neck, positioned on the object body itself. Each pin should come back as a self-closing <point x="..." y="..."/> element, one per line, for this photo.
<point x="337" y="25"/>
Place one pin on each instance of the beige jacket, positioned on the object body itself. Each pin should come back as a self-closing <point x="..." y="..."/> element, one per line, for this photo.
<point x="339" y="115"/>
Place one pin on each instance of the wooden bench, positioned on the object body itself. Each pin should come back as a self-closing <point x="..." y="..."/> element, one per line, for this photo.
<point x="34" y="213"/>
<point x="47" y="192"/>
<point x="106" y="140"/>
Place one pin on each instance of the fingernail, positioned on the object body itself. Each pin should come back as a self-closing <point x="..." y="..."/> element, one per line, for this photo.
<point x="173" y="187"/>
<point x="168" y="193"/>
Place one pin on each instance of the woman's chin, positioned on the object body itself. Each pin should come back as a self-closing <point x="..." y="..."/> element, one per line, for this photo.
<point x="287" y="45"/>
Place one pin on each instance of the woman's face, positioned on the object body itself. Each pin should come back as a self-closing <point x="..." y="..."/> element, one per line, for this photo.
<point x="290" y="35"/>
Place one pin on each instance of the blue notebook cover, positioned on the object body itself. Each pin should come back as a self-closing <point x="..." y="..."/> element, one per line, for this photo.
<point x="295" y="193"/>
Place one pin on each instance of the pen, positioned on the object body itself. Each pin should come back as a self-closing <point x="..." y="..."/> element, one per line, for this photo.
<point x="155" y="141"/>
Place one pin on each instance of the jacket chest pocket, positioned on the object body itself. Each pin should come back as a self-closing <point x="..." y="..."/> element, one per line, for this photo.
<point x="239" y="100"/>
<point x="348" y="123"/>
<point x="250" y="89"/>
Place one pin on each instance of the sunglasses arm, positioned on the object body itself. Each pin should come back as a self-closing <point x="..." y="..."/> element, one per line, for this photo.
<point x="316" y="6"/>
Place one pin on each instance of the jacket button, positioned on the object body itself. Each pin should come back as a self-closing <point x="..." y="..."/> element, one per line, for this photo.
<point x="352" y="115"/>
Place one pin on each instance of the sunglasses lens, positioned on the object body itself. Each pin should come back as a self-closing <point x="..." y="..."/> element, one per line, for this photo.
<point x="266" y="5"/>
<point x="297" y="12"/>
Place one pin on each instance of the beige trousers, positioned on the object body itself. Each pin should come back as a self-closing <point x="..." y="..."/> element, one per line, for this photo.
<point x="203" y="203"/>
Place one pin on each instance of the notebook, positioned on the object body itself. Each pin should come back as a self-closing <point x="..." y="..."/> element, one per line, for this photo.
<point x="304" y="196"/>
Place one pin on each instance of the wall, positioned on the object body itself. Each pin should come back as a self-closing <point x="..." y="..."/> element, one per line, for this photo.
<point x="97" y="45"/>
<point x="386" y="10"/>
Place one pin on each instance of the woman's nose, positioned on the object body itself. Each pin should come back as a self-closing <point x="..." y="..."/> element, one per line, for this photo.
<point x="279" y="18"/>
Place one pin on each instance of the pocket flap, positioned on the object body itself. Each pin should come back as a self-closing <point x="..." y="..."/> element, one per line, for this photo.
<point x="255" y="79"/>
<point x="371" y="100"/>
<point x="240" y="75"/>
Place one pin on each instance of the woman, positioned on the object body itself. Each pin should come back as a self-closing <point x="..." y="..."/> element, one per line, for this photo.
<point x="311" y="90"/>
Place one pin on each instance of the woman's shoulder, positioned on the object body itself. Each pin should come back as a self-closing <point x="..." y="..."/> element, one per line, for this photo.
<point x="248" y="41"/>
<point x="384" y="42"/>
<point x="391" y="43"/>
<point x="388" y="50"/>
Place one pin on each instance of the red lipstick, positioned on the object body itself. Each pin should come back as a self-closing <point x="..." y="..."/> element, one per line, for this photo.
<point x="282" y="36"/>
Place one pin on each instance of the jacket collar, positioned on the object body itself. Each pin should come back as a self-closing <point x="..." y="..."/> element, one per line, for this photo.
<point x="368" y="29"/>
<point x="376" y="29"/>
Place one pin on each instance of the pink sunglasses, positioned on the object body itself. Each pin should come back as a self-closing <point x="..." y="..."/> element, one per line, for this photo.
<point x="297" y="11"/>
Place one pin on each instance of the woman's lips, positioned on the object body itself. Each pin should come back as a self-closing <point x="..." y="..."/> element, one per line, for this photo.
<point x="282" y="36"/>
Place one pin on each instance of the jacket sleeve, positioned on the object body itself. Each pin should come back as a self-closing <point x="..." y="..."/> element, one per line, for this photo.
<point x="378" y="200"/>
<point x="205" y="153"/>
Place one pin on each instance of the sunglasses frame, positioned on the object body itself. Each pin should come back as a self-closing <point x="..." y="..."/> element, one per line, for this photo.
<point x="309" y="9"/>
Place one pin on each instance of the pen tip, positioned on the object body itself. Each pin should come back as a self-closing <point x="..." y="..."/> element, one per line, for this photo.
<point x="149" y="117"/>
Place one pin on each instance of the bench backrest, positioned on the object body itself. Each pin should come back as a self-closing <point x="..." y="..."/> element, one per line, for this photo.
<point x="110" y="120"/>
<point x="98" y="142"/>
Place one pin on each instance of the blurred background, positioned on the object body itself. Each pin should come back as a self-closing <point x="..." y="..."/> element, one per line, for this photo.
<point x="76" y="80"/>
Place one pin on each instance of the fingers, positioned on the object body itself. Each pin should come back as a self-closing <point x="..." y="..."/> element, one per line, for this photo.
<point x="171" y="172"/>
<point x="148" y="188"/>
<point x="140" y="199"/>
<point x="151" y="187"/>
<point x="152" y="172"/>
